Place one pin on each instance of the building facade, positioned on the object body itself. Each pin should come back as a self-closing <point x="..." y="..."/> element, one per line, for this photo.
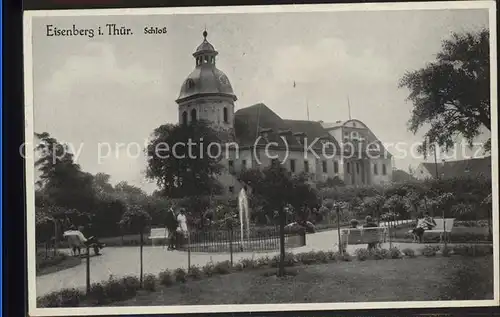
<point x="470" y="168"/>
<point x="256" y="136"/>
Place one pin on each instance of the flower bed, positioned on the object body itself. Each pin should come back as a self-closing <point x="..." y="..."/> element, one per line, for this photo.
<point x="115" y="290"/>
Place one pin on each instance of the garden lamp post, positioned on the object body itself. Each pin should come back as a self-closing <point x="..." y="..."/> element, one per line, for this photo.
<point x="336" y="207"/>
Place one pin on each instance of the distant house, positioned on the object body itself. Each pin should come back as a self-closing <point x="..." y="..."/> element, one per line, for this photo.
<point x="461" y="168"/>
<point x="400" y="176"/>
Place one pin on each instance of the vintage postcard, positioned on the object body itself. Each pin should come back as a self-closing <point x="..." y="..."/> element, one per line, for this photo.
<point x="235" y="159"/>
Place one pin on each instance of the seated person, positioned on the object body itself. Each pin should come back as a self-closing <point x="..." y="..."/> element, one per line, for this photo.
<point x="427" y="223"/>
<point x="369" y="223"/>
<point x="354" y="223"/>
<point x="88" y="242"/>
<point x="75" y="239"/>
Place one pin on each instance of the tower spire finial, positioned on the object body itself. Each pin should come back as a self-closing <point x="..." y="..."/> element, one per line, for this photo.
<point x="205" y="33"/>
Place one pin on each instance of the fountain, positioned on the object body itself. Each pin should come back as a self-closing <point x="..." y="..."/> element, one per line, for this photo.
<point x="244" y="214"/>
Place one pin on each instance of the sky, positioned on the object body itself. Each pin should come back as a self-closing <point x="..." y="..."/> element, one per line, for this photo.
<point x="105" y="95"/>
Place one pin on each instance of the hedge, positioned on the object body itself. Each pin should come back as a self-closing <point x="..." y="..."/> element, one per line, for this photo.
<point x="120" y="289"/>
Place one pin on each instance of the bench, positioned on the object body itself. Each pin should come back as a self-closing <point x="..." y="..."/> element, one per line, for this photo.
<point x="158" y="234"/>
<point x="354" y="236"/>
<point x="443" y="227"/>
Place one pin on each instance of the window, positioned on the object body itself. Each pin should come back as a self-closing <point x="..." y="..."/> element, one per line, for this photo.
<point x="306" y="166"/>
<point x="231" y="189"/>
<point x="292" y="166"/>
<point x="325" y="167"/>
<point x="190" y="83"/>
<point x="225" y="114"/>
<point x="348" y="168"/>
<point x="357" y="168"/>
<point x="243" y="164"/>
<point x="231" y="166"/>
<point x="384" y="169"/>
<point x="375" y="169"/>
<point x="206" y="59"/>
<point x="193" y="115"/>
<point x="335" y="167"/>
<point x="184" y="118"/>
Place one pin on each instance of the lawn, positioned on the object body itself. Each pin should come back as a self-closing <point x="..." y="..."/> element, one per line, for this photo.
<point x="418" y="279"/>
<point x="48" y="262"/>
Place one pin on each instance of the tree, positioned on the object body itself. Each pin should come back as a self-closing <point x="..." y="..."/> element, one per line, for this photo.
<point x="62" y="180"/>
<point x="183" y="159"/>
<point x="396" y="206"/>
<point x="373" y="205"/>
<point x="279" y="189"/>
<point x="452" y="94"/>
<point x="136" y="219"/>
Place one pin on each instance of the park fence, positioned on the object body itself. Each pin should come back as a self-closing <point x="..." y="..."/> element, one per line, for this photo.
<point x="232" y="240"/>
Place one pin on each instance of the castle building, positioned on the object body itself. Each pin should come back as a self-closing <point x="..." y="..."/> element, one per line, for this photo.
<point x="257" y="136"/>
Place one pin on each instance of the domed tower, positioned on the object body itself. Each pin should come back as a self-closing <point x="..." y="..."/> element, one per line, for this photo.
<point x="206" y="94"/>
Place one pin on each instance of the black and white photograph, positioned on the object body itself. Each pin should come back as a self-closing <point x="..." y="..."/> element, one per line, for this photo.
<point x="261" y="158"/>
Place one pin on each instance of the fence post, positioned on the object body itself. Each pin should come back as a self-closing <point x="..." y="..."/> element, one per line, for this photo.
<point x="231" y="244"/>
<point x="189" y="250"/>
<point x="341" y="249"/>
<point x="87" y="279"/>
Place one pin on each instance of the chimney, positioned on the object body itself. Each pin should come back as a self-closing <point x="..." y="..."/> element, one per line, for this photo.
<point x="300" y="136"/>
<point x="264" y="132"/>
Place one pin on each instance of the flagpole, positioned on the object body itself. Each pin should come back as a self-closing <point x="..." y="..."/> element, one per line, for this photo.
<point x="349" y="107"/>
<point x="307" y="107"/>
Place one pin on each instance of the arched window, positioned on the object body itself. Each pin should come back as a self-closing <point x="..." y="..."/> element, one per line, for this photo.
<point x="193" y="115"/>
<point x="184" y="118"/>
<point x="224" y="111"/>
<point x="384" y="169"/>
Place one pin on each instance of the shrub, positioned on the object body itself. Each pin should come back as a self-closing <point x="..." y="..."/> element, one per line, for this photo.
<point x="362" y="254"/>
<point x="394" y="253"/>
<point x="345" y="256"/>
<point x="379" y="254"/>
<point x="249" y="263"/>
<point x="208" y="269"/>
<point x="330" y="255"/>
<point x="131" y="285"/>
<point x="289" y="260"/>
<point x="180" y="275"/>
<point x="307" y="257"/>
<point x="428" y="250"/>
<point x="473" y="250"/>
<point x="322" y="257"/>
<point x="446" y="251"/>
<point x="263" y="262"/>
<point x="98" y="294"/>
<point x="461" y="249"/>
<point x="69" y="297"/>
<point x="195" y="273"/>
<point x="222" y="267"/>
<point x="115" y="289"/>
<point x="165" y="278"/>
<point x="238" y="266"/>
<point x="149" y="282"/>
<point x="409" y="252"/>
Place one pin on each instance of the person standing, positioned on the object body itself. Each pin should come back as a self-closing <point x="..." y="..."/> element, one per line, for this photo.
<point x="182" y="229"/>
<point x="171" y="226"/>
<point x="369" y="223"/>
